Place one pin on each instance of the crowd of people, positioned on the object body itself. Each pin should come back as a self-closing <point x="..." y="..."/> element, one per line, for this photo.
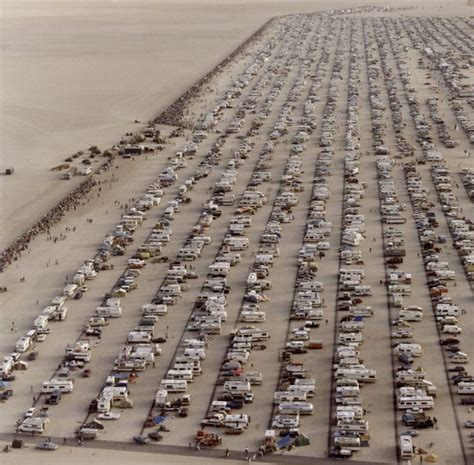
<point x="174" y="114"/>
<point x="70" y="202"/>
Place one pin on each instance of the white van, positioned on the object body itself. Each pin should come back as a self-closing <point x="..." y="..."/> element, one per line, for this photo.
<point x="174" y="385"/>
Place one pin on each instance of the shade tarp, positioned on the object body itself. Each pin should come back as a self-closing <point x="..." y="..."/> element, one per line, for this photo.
<point x="285" y="441"/>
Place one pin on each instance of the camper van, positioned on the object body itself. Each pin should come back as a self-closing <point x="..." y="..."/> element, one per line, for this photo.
<point x="361" y="374"/>
<point x="303" y="408"/>
<point x="62" y="385"/>
<point x="34" y="425"/>
<point x="414" y="350"/>
<point x="23" y="344"/>
<point x="355" y="412"/>
<point x="108" y="312"/>
<point x="417" y="401"/>
<point x="154" y="309"/>
<point x="347" y="442"/>
<point x="406" y="447"/>
<point x="288" y="396"/>
<point x="237" y="386"/>
<point x="356" y="426"/>
<point x="286" y="421"/>
<point x="180" y="374"/>
<point x="173" y="385"/>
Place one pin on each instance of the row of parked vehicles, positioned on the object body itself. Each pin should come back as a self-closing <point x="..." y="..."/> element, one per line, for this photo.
<point x="415" y="394"/>
<point x="210" y="307"/>
<point x="141" y="347"/>
<point x="237" y="383"/>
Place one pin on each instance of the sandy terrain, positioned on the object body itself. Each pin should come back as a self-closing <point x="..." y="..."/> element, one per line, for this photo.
<point x="115" y="100"/>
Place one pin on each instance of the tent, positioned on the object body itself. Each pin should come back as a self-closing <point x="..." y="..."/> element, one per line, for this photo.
<point x="302" y="440"/>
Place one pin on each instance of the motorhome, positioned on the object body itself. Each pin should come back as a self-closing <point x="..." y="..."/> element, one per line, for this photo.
<point x="237" y="386"/>
<point x="361" y="374"/>
<point x="286" y="421"/>
<point x="62" y="385"/>
<point x="174" y="385"/>
<point x="108" y="312"/>
<point x="406" y="447"/>
<point x="289" y="396"/>
<point x="417" y="401"/>
<point x="23" y="344"/>
<point x="293" y="407"/>
<point x="180" y="374"/>
<point x="347" y="442"/>
<point x="357" y="426"/>
<point x="414" y="350"/>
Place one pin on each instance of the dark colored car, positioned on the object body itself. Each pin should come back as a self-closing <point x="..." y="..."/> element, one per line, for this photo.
<point x="236" y="403"/>
<point x="93" y="406"/>
<point x="449" y="341"/>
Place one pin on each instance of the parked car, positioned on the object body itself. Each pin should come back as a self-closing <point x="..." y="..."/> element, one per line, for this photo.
<point x="47" y="445"/>
<point x="109" y="416"/>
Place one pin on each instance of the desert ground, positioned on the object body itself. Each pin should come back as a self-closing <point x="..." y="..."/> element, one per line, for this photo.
<point x="328" y="117"/>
